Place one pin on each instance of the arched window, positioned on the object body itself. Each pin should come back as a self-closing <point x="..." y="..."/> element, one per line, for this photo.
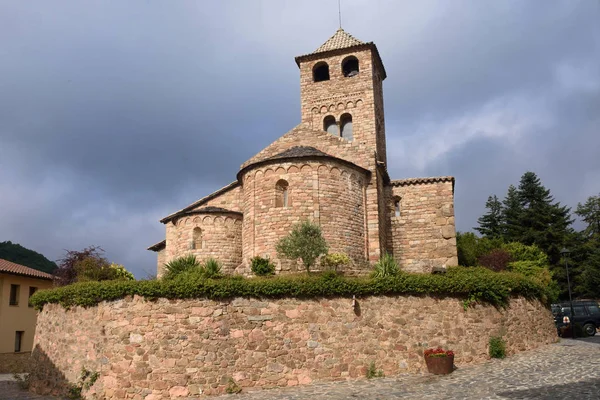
<point x="330" y="126"/>
<point x="196" y="238"/>
<point x="397" y="206"/>
<point x="321" y="72"/>
<point x="281" y="193"/>
<point x="350" y="66"/>
<point x="346" y="124"/>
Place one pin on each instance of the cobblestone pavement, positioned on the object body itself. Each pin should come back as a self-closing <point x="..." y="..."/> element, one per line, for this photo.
<point x="567" y="370"/>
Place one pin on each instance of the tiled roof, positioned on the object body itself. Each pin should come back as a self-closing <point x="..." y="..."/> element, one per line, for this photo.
<point x="298" y="151"/>
<point x="200" y="202"/>
<point x="340" y="40"/>
<point x="211" y="209"/>
<point x="416" y="181"/>
<point x="158" y="246"/>
<point x="17" y="269"/>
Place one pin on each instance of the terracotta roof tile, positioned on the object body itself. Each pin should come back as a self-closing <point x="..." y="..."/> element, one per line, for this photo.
<point x="17" y="269"/>
<point x="299" y="151"/>
<point x="158" y="246"/>
<point x="340" y="40"/>
<point x="416" y="181"/>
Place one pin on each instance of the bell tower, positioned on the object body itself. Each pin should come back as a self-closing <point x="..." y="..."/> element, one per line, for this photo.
<point x="342" y="93"/>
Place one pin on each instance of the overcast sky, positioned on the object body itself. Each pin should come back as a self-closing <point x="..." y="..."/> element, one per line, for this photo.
<point x="114" y="114"/>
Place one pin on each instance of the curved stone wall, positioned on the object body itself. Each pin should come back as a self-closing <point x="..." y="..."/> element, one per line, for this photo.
<point x="168" y="348"/>
<point x="326" y="191"/>
<point x="219" y="236"/>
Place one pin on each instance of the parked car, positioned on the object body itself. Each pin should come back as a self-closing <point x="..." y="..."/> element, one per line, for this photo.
<point x="587" y="315"/>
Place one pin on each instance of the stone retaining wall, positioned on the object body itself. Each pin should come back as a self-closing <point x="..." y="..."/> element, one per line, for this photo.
<point x="173" y="348"/>
<point x="11" y="363"/>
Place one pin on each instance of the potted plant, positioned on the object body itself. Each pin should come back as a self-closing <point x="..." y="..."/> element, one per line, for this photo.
<point x="439" y="361"/>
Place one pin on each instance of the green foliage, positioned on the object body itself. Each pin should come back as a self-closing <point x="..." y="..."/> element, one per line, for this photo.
<point x="496" y="260"/>
<point x="470" y="248"/>
<point x="262" y="266"/>
<point x="490" y="224"/>
<point x="86" y="380"/>
<point x="480" y="284"/>
<point x="20" y="255"/>
<point x="335" y="261"/>
<point x="305" y="241"/>
<point x="386" y="267"/>
<point x="522" y="252"/>
<point x="497" y="347"/>
<point x="121" y="273"/>
<point x="589" y="212"/>
<point x="211" y="269"/>
<point x="372" y="371"/>
<point x="233" y="387"/>
<point x="180" y="265"/>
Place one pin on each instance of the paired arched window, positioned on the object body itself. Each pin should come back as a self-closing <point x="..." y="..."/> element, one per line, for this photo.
<point x="346" y="126"/>
<point x="350" y="66"/>
<point x="282" y="193"/>
<point x="330" y="125"/>
<point x="196" y="238"/>
<point x="343" y="129"/>
<point x="321" y="72"/>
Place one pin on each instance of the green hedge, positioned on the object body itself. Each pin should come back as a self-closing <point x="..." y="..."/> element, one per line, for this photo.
<point x="474" y="284"/>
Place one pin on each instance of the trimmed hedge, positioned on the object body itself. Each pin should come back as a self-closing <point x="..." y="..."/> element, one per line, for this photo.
<point x="475" y="284"/>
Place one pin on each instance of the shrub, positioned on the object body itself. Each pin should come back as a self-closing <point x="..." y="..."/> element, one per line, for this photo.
<point x="496" y="260"/>
<point x="372" y="372"/>
<point x="262" y="266"/>
<point x="180" y="265"/>
<point x="211" y="269"/>
<point x="333" y="261"/>
<point x="386" y="267"/>
<point x="70" y="265"/>
<point x="480" y="284"/>
<point x="121" y="273"/>
<point x="497" y="347"/>
<point x="305" y="241"/>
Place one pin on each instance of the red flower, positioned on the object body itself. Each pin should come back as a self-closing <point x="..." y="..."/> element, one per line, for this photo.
<point x="438" y="352"/>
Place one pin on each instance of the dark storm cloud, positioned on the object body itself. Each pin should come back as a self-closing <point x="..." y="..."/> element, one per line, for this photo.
<point x="114" y="114"/>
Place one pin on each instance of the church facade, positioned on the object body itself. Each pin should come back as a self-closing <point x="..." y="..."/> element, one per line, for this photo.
<point x="331" y="169"/>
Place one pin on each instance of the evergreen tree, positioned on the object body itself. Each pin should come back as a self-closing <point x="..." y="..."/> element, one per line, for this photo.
<point x="542" y="221"/>
<point x="590" y="214"/>
<point x="20" y="255"/>
<point x="490" y="224"/>
<point x="511" y="214"/>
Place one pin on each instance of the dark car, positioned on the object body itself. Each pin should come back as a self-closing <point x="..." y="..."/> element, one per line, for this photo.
<point x="587" y="315"/>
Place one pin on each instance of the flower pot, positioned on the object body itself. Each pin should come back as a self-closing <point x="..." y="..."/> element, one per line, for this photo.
<point x="440" y="365"/>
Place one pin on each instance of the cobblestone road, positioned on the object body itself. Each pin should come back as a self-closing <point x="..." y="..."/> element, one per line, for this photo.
<point x="567" y="370"/>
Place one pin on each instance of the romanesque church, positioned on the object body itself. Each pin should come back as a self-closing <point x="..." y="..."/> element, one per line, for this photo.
<point x="332" y="169"/>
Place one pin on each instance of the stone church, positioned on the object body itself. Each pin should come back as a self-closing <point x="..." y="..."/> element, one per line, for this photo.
<point x="331" y="169"/>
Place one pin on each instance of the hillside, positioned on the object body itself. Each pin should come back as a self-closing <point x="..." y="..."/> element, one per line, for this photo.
<point x="18" y="254"/>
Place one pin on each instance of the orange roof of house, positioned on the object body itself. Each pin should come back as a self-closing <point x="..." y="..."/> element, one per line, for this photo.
<point x="17" y="269"/>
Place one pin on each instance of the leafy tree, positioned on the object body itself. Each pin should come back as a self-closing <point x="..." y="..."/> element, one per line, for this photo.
<point x="470" y="248"/>
<point x="490" y="224"/>
<point x="590" y="214"/>
<point x="18" y="254"/>
<point x="496" y="260"/>
<point x="511" y="215"/>
<point x="86" y="265"/>
<point x="305" y="241"/>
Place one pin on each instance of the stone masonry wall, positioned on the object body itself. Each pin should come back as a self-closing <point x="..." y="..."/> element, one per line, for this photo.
<point x="324" y="191"/>
<point x="221" y="239"/>
<point x="230" y="200"/>
<point x="424" y="235"/>
<point x="166" y="349"/>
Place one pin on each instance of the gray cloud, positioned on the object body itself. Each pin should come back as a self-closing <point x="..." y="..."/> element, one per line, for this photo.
<point x="113" y="115"/>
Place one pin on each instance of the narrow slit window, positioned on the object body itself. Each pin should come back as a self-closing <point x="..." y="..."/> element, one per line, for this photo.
<point x="397" y="207"/>
<point x="196" y="238"/>
<point x="18" y="341"/>
<point x="346" y="124"/>
<point x="32" y="291"/>
<point x="282" y="193"/>
<point x="330" y="126"/>
<point x="14" y="295"/>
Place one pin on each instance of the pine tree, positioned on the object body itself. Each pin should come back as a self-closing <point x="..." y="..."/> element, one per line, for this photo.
<point x="542" y="221"/>
<point x="490" y="224"/>
<point x="590" y="214"/>
<point x="511" y="214"/>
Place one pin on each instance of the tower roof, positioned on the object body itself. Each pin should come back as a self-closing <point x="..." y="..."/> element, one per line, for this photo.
<point x="340" y="40"/>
